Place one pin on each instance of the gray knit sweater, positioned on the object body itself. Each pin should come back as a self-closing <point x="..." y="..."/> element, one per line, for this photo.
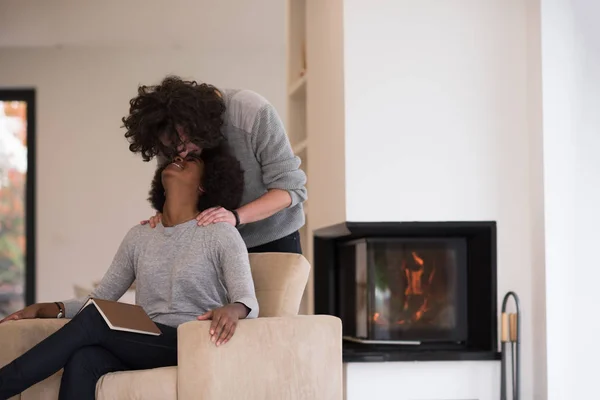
<point x="258" y="139"/>
<point x="181" y="272"/>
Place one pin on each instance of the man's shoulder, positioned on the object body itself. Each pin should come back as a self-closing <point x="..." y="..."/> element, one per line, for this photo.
<point x="246" y="98"/>
<point x="244" y="107"/>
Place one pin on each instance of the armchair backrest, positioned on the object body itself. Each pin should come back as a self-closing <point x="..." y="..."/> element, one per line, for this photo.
<point x="279" y="281"/>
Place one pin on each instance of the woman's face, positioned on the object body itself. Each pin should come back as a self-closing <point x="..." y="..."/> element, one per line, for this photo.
<point x="184" y="172"/>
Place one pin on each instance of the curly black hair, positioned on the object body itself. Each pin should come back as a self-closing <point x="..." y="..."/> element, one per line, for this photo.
<point x="157" y="110"/>
<point x="223" y="181"/>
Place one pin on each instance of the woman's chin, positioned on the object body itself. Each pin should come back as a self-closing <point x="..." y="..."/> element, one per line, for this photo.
<point x="171" y="169"/>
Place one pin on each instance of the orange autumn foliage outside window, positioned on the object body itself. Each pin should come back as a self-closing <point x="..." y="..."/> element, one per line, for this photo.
<point x="13" y="178"/>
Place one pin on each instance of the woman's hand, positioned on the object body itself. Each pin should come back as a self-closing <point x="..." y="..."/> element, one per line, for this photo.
<point x="38" y="310"/>
<point x="153" y="221"/>
<point x="224" y="321"/>
<point x="214" y="215"/>
<point x="29" y="312"/>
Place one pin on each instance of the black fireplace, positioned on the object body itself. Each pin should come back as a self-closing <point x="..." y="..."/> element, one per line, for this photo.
<point x="410" y="290"/>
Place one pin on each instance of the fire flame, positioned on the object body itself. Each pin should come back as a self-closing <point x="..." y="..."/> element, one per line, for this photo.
<point x="417" y="259"/>
<point x="414" y="278"/>
<point x="422" y="310"/>
<point x="414" y="290"/>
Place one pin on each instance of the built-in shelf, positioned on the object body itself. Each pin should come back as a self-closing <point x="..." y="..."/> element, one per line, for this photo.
<point x="297" y="87"/>
<point x="297" y="91"/>
<point x="299" y="147"/>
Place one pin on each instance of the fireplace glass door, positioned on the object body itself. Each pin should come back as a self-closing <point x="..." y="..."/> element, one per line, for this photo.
<point x="406" y="290"/>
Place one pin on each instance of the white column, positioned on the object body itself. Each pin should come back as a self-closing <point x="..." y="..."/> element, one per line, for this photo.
<point x="571" y="107"/>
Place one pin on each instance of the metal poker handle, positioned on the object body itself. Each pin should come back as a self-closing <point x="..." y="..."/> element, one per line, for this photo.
<point x="511" y="339"/>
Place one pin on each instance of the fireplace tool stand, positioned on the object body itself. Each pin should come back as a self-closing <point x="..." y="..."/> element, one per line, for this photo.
<point x="511" y="340"/>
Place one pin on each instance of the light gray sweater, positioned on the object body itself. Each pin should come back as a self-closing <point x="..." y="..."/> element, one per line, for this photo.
<point x="257" y="138"/>
<point x="181" y="272"/>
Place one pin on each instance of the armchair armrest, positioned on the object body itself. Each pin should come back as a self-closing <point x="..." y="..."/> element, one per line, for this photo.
<point x="17" y="337"/>
<point x="284" y="358"/>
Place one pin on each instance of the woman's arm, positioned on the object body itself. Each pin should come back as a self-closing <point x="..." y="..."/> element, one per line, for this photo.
<point x="231" y="258"/>
<point x="233" y="261"/>
<point x="118" y="278"/>
<point x="114" y="284"/>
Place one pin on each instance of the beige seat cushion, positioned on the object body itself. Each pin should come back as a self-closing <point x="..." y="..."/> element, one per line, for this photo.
<point x="150" y="384"/>
<point x="45" y="390"/>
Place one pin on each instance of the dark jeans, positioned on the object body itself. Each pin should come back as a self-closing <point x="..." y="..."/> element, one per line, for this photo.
<point x="287" y="244"/>
<point x="87" y="349"/>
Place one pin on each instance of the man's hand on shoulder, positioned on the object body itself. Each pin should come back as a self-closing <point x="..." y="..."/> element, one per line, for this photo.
<point x="153" y="221"/>
<point x="214" y="215"/>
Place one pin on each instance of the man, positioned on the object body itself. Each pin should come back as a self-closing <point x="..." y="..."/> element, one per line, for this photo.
<point x="179" y="117"/>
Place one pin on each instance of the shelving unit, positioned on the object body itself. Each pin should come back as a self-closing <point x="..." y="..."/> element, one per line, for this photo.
<point x="298" y="88"/>
<point x="300" y="147"/>
<point x="296" y="124"/>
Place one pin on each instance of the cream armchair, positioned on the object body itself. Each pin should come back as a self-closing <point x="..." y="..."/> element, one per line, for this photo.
<point x="278" y="356"/>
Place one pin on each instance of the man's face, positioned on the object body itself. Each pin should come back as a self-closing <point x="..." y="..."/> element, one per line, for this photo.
<point x="186" y="147"/>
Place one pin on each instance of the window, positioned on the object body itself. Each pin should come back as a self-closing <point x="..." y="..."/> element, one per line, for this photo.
<point x="17" y="200"/>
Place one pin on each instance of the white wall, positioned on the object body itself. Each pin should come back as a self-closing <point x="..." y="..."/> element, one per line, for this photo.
<point x="194" y="24"/>
<point x="423" y="380"/>
<point x="437" y="127"/>
<point x="85" y="64"/>
<point x="536" y="200"/>
<point x="571" y="96"/>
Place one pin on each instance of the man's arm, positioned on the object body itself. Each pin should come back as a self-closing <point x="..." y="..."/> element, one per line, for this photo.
<point x="281" y="172"/>
<point x="280" y="167"/>
<point x="266" y="205"/>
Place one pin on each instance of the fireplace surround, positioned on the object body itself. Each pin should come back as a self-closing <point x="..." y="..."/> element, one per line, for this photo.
<point x="410" y="290"/>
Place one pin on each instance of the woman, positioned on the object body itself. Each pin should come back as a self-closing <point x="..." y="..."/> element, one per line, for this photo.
<point x="179" y="117"/>
<point x="182" y="271"/>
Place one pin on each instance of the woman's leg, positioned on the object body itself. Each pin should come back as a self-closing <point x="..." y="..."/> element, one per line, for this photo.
<point x="287" y="244"/>
<point x="88" y="328"/>
<point x="83" y="370"/>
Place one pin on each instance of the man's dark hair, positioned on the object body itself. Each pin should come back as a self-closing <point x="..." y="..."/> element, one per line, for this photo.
<point x="223" y="181"/>
<point x="157" y="110"/>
